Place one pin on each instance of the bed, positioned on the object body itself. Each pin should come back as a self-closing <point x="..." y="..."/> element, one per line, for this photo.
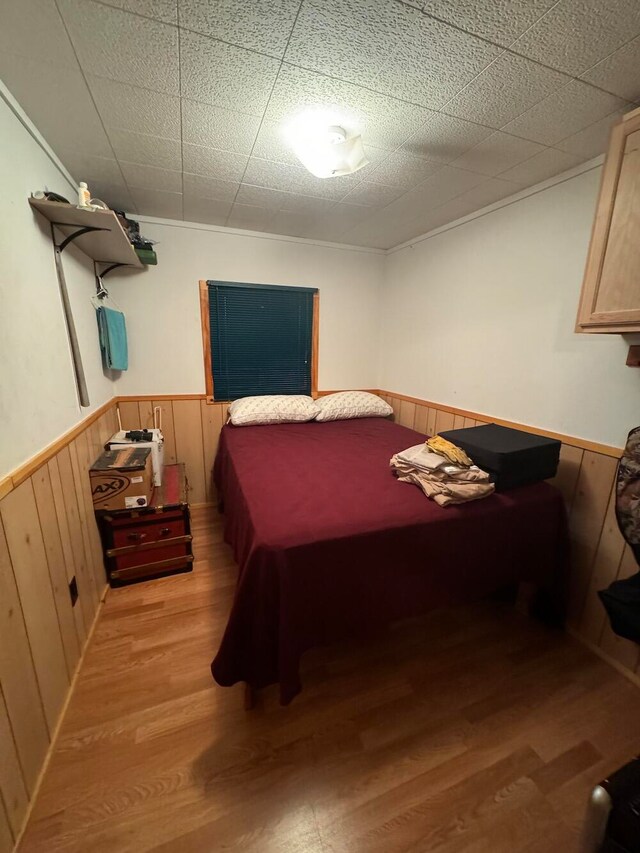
<point x="329" y="544"/>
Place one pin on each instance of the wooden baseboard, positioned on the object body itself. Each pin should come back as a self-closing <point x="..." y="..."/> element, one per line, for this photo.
<point x="631" y="676"/>
<point x="63" y="713"/>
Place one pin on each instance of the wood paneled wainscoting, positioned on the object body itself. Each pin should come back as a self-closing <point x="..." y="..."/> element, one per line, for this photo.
<point x="48" y="537"/>
<point x="585" y="477"/>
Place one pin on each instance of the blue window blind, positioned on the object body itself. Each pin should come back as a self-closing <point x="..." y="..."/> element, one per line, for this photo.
<point x="260" y="339"/>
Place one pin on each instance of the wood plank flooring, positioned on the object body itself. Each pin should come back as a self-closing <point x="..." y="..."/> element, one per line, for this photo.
<point x="472" y="730"/>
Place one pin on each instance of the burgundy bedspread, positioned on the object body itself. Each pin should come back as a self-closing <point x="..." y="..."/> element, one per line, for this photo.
<point x="330" y="544"/>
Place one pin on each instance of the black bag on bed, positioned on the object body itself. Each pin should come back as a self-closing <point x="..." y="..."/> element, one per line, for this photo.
<point x="511" y="456"/>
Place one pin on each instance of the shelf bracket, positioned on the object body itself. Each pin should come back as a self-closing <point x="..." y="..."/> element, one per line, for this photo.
<point x="87" y="229"/>
<point x="109" y="268"/>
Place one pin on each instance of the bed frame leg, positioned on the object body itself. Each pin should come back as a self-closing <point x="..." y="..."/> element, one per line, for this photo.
<point x="250" y="697"/>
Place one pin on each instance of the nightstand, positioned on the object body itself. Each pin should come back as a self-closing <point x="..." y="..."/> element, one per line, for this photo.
<point x="153" y="541"/>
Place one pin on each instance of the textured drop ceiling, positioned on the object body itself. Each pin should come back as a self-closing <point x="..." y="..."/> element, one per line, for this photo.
<point x="173" y="108"/>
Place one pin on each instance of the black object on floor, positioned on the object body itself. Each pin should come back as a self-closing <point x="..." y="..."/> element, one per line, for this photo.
<point x="613" y="817"/>
<point x="512" y="457"/>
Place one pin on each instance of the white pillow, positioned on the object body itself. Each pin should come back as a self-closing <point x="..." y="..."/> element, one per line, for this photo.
<point x="272" y="409"/>
<point x="352" y="404"/>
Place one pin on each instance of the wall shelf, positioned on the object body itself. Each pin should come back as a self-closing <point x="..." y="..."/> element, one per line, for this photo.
<point x="106" y="242"/>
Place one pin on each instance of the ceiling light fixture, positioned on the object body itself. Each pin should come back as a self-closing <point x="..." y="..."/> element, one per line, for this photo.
<point x="324" y="148"/>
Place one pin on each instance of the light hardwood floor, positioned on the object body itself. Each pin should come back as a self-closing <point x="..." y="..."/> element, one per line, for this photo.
<point x="473" y="730"/>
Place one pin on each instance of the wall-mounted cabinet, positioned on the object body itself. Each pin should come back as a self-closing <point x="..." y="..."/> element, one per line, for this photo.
<point x="610" y="300"/>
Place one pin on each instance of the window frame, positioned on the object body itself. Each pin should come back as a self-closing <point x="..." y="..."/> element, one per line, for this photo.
<point x="206" y="343"/>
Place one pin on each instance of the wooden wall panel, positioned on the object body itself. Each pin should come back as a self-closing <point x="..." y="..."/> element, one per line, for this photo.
<point x="57" y="572"/>
<point x="189" y="447"/>
<point x="29" y="560"/>
<point x="18" y="678"/>
<point x="212" y="421"/>
<point x="586" y="521"/>
<point x="12" y="788"/>
<point x="86" y="458"/>
<point x="444" y="420"/>
<point x="420" y="421"/>
<point x="407" y="413"/>
<point x="130" y="415"/>
<point x="48" y="536"/>
<point x="76" y="485"/>
<point x="6" y="839"/>
<point x="71" y="510"/>
<point x="168" y="431"/>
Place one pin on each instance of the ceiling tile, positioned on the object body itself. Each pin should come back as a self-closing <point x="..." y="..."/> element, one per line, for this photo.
<point x="161" y="10"/>
<point x="433" y="63"/>
<point x="575" y="34"/>
<point x="497" y="153"/>
<point x="117" y="197"/>
<point x="593" y="140"/>
<point x="619" y="73"/>
<point x="199" y="186"/>
<point x="370" y="193"/>
<point x="508" y="87"/>
<point x="53" y="97"/>
<point x="305" y="204"/>
<point x="213" y="163"/>
<point x="500" y="21"/>
<point x="402" y="169"/>
<point x="249" y="217"/>
<point x="89" y="168"/>
<point x="567" y="111"/>
<point x="207" y="210"/>
<point x="444" y="185"/>
<point x="33" y="29"/>
<point x="261" y="197"/>
<point x="296" y="179"/>
<point x="123" y="46"/>
<point x="141" y="148"/>
<point x="384" y="122"/>
<point x="348" y="39"/>
<point x="139" y="110"/>
<point x="224" y="75"/>
<point x="215" y="127"/>
<point x="262" y="25"/>
<point x="489" y="192"/>
<point x="545" y="165"/>
<point x="151" y="177"/>
<point x="444" y="138"/>
<point x="292" y="224"/>
<point x="271" y="145"/>
<point x="165" y="205"/>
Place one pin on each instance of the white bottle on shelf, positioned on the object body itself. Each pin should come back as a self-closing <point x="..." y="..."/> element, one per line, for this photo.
<point x="84" y="196"/>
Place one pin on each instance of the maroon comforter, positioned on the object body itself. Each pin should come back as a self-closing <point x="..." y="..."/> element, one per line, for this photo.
<point x="330" y="544"/>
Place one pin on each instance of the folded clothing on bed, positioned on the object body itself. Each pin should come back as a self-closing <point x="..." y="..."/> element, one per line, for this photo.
<point x="438" y="478"/>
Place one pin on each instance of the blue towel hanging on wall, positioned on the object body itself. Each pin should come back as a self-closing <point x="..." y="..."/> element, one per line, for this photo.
<point x="113" y="338"/>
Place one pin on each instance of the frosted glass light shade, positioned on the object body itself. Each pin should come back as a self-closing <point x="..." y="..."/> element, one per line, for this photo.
<point x="325" y="151"/>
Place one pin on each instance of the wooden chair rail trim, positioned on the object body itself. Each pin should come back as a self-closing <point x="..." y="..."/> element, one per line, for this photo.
<point x="22" y="473"/>
<point x="574" y="441"/>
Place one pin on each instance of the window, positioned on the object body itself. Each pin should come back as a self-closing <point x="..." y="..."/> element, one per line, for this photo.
<point x="258" y="339"/>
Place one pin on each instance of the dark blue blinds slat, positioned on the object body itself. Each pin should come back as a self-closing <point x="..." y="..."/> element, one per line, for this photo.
<point x="260" y="339"/>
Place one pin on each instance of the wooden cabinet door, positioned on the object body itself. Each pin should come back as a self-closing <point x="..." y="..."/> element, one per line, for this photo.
<point x="610" y="299"/>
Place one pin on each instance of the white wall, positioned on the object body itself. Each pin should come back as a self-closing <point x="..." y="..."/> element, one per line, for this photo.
<point x="163" y="311"/>
<point x="38" y="400"/>
<point x="481" y="316"/>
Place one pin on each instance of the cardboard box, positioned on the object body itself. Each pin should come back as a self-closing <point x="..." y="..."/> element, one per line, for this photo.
<point x="122" y="479"/>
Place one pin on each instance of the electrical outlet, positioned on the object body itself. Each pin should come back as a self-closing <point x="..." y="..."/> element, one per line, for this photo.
<point x="73" y="591"/>
<point x="633" y="359"/>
